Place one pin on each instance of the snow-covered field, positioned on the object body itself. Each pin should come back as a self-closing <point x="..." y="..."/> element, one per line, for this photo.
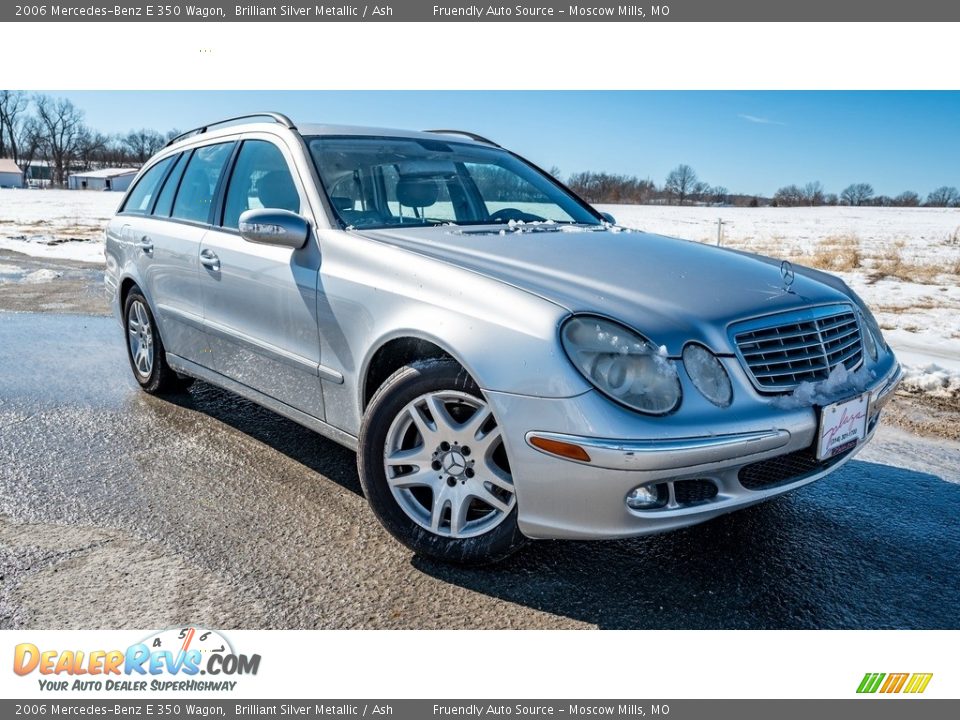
<point x="64" y="224"/>
<point x="905" y="262"/>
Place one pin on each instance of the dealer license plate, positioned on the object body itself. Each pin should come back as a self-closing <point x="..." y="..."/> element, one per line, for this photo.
<point x="843" y="426"/>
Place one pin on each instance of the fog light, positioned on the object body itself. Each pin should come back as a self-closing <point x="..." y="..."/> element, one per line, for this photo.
<point x="646" y="497"/>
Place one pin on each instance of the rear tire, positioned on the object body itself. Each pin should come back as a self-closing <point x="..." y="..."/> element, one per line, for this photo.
<point x="145" y="351"/>
<point x="433" y="466"/>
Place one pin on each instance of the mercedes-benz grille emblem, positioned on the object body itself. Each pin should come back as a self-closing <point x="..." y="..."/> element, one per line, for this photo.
<point x="787" y="274"/>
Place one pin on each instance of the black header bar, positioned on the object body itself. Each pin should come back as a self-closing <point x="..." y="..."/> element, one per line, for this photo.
<point x="525" y="11"/>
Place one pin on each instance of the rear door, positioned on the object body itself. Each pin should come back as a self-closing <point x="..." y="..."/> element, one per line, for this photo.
<point x="260" y="301"/>
<point x="164" y="254"/>
<point x="178" y="223"/>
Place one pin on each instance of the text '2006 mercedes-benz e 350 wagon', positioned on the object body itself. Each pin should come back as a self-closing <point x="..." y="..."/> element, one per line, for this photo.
<point x="507" y="362"/>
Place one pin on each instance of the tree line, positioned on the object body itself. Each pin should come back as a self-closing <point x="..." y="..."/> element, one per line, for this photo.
<point x="682" y="186"/>
<point x="36" y="127"/>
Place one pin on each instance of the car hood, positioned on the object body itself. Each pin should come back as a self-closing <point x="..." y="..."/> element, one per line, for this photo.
<point x="671" y="290"/>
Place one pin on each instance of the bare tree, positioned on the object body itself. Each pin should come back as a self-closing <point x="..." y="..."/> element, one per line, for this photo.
<point x="943" y="197"/>
<point x="61" y="125"/>
<point x="856" y="194"/>
<point x="681" y="183"/>
<point x="813" y="194"/>
<point x="143" y="143"/>
<point x="606" y="188"/>
<point x="789" y="196"/>
<point x="831" y="199"/>
<point x="719" y="195"/>
<point x="13" y="105"/>
<point x="29" y="143"/>
<point x="92" y="148"/>
<point x="907" y="199"/>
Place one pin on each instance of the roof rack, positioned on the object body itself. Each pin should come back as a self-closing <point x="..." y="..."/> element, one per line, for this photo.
<point x="278" y="118"/>
<point x="472" y="136"/>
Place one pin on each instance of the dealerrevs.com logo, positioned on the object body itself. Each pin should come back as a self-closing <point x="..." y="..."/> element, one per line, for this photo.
<point x="909" y="683"/>
<point x="179" y="659"/>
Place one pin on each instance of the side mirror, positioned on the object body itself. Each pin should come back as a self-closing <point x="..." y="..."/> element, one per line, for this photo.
<point x="609" y="218"/>
<point x="274" y="227"/>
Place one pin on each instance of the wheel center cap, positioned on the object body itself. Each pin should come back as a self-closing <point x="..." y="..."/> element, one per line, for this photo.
<point x="454" y="463"/>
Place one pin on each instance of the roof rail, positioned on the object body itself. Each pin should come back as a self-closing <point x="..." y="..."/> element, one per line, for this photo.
<point x="275" y="116"/>
<point x="472" y="136"/>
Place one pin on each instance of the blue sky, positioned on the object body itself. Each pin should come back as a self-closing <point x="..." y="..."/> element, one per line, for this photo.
<point x="752" y="142"/>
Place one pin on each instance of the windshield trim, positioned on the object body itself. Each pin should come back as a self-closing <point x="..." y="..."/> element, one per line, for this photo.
<point x="335" y="215"/>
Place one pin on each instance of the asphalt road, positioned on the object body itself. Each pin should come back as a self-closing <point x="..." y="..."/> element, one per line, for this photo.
<point x="122" y="510"/>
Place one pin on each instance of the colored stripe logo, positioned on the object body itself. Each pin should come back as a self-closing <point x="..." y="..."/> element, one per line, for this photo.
<point x="912" y="683"/>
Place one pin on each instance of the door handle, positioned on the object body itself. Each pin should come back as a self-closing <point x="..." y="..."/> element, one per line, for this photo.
<point x="146" y="244"/>
<point x="209" y="259"/>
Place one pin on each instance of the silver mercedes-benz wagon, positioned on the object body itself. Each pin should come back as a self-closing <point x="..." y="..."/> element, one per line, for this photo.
<point x="507" y="362"/>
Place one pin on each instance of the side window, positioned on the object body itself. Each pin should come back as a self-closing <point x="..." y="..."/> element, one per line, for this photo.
<point x="195" y="195"/>
<point x="143" y="193"/>
<point x="260" y="179"/>
<point x="164" y="204"/>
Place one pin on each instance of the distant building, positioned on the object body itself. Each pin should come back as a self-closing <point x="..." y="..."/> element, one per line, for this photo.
<point x="39" y="174"/>
<point x="118" y="179"/>
<point x="11" y="176"/>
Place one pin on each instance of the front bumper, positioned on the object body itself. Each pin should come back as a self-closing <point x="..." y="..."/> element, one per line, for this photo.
<point x="760" y="451"/>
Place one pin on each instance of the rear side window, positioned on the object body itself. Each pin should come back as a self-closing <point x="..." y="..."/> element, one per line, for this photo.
<point x="195" y="196"/>
<point x="144" y="192"/>
<point x="165" y="199"/>
<point x="260" y="179"/>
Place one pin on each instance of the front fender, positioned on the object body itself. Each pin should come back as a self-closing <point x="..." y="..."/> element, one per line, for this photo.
<point x="372" y="293"/>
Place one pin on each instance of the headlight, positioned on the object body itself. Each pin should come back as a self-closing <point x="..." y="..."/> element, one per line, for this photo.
<point x="621" y="364"/>
<point x="868" y="341"/>
<point x="872" y="336"/>
<point x="708" y="374"/>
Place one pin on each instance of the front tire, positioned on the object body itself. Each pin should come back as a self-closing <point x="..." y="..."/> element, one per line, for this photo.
<point x="434" y="468"/>
<point x="145" y="351"/>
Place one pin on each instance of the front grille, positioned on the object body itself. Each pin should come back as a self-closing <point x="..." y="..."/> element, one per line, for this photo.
<point x="799" y="347"/>
<point x="687" y="492"/>
<point x="785" y="469"/>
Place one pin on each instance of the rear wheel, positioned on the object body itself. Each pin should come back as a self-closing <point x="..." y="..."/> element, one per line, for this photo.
<point x="434" y="467"/>
<point x="145" y="348"/>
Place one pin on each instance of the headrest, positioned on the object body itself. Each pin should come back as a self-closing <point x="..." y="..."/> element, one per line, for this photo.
<point x="276" y="190"/>
<point x="417" y="192"/>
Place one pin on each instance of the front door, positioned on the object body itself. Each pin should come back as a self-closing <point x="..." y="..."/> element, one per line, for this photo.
<point x="260" y="301"/>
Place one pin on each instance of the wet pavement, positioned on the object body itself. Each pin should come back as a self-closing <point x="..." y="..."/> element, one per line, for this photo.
<point x="122" y="510"/>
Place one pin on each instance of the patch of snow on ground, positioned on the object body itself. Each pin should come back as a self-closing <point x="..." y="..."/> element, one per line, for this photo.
<point x="42" y="276"/>
<point x="16" y="274"/>
<point x="932" y="379"/>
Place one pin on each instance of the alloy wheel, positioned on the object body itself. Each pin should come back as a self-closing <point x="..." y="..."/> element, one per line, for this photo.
<point x="446" y="465"/>
<point x="141" y="338"/>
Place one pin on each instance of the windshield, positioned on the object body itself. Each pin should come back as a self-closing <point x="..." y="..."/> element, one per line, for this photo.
<point x="378" y="182"/>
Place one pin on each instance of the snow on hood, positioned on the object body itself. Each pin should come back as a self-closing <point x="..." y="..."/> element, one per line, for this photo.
<point x="670" y="290"/>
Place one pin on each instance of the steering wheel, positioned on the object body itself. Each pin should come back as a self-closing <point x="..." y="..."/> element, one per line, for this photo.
<point x="507" y="214"/>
